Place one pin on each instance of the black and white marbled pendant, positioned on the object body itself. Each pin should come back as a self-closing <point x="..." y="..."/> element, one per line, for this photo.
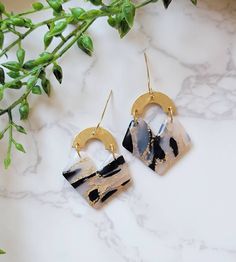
<point x="161" y="151"/>
<point x="98" y="186"/>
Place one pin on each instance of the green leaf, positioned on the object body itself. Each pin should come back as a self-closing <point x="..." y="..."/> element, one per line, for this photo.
<point x="194" y="2"/>
<point x="15" y="85"/>
<point x="20" y="53"/>
<point x="85" y="43"/>
<point x="90" y="14"/>
<point x="166" y="3"/>
<point x="46" y="86"/>
<point x="24" y="110"/>
<point x="77" y="12"/>
<point x="123" y="27"/>
<point x="36" y="90"/>
<point x="43" y="58"/>
<point x="2" y="8"/>
<point x="55" y="5"/>
<point x="13" y="74"/>
<point x="37" y="6"/>
<point x="112" y="21"/>
<point x="4" y="24"/>
<point x="95" y="2"/>
<point x="71" y="20"/>
<point x="2" y="76"/>
<point x="32" y="81"/>
<point x="7" y="162"/>
<point x="58" y="28"/>
<point x="12" y="65"/>
<point x="58" y="14"/>
<point x="19" y="146"/>
<point x="128" y="10"/>
<point x="42" y="74"/>
<point x="29" y="64"/>
<point x="47" y="40"/>
<point x="1" y="39"/>
<point x="57" y="71"/>
<point x="28" y="22"/>
<point x="18" y="21"/>
<point x="20" y="129"/>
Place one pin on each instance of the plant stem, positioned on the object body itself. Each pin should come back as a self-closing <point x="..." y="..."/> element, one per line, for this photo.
<point x="75" y="39"/>
<point x="5" y="130"/>
<point x="15" y="32"/>
<point x="10" y="133"/>
<point x="33" y="11"/>
<point x="19" y="100"/>
<point x="25" y="95"/>
<point x="65" y="39"/>
<point x="5" y="50"/>
<point x="76" y="32"/>
<point x="112" y="10"/>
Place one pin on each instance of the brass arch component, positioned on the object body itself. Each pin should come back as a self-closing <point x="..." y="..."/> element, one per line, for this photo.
<point x="98" y="133"/>
<point x="152" y="98"/>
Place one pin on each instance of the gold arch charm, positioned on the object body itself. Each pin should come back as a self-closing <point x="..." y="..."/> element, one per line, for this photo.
<point x="98" y="133"/>
<point x="152" y="98"/>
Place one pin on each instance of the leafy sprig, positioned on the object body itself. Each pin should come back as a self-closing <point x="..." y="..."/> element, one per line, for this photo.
<point x="68" y="25"/>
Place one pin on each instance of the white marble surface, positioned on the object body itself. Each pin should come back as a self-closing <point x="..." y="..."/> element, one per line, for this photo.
<point x="189" y="215"/>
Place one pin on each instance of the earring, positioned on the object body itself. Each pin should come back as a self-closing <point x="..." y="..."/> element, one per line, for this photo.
<point x="158" y="151"/>
<point x="97" y="186"/>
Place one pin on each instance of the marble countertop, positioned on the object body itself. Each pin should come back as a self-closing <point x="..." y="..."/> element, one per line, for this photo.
<point x="189" y="214"/>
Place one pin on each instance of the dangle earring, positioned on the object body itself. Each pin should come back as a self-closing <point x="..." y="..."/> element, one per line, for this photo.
<point x="97" y="185"/>
<point x="158" y="151"/>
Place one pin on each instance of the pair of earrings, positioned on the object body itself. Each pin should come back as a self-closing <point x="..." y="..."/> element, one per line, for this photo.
<point x="158" y="151"/>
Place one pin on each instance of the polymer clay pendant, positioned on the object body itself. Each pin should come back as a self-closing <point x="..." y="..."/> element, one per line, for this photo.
<point x="158" y="151"/>
<point x="162" y="150"/>
<point x="97" y="185"/>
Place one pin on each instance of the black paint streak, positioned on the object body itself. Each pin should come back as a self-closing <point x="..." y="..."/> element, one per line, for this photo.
<point x="82" y="180"/>
<point x="127" y="142"/>
<point x="173" y="144"/>
<point x="107" y="195"/>
<point x="126" y="182"/>
<point x="158" y="152"/>
<point x="110" y="173"/>
<point x="107" y="170"/>
<point x="94" y="195"/>
<point x="68" y="174"/>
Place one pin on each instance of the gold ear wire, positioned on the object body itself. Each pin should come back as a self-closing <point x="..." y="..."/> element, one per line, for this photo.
<point x="148" y="74"/>
<point x="152" y="97"/>
<point x="96" y="132"/>
<point x="103" y="112"/>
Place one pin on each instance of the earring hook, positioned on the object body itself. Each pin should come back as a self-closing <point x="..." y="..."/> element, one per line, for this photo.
<point x="148" y="74"/>
<point x="103" y="112"/>
<point x="97" y="132"/>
